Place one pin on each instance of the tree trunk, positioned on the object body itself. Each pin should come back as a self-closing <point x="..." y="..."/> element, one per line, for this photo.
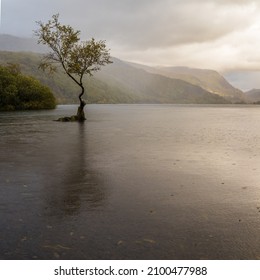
<point x="80" y="114"/>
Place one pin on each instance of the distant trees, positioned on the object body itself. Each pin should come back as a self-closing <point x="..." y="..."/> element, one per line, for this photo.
<point x="76" y="58"/>
<point x="20" y="92"/>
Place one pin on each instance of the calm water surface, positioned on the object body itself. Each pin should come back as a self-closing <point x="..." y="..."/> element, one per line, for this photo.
<point x="133" y="182"/>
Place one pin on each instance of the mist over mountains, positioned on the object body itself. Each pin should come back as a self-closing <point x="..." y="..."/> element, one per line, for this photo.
<point x="209" y="80"/>
<point x="253" y="95"/>
<point x="124" y="82"/>
<point x="17" y="44"/>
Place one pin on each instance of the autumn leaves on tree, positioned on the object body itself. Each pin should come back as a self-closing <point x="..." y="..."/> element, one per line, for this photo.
<point x="76" y="58"/>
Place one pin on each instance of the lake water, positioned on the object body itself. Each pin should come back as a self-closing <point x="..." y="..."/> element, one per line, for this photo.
<point x="132" y="182"/>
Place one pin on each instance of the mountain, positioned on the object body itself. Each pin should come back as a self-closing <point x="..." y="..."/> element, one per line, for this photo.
<point x="115" y="83"/>
<point x="154" y="88"/>
<point x="209" y="80"/>
<point x="64" y="89"/>
<point x="123" y="82"/>
<point x="253" y="95"/>
<point x="18" y="44"/>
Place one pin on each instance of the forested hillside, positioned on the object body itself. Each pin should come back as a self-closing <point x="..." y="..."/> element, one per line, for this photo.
<point x="116" y="83"/>
<point x="20" y="92"/>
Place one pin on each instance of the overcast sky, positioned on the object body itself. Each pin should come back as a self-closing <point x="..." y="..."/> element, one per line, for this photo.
<point x="216" y="34"/>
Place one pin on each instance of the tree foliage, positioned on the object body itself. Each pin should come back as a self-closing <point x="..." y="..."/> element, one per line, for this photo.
<point x="20" y="92"/>
<point x="77" y="58"/>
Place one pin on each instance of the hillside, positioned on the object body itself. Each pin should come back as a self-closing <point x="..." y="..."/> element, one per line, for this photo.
<point x="63" y="88"/>
<point x="154" y="88"/>
<point x="253" y="95"/>
<point x="108" y="88"/>
<point x="18" y="44"/>
<point x="116" y="83"/>
<point x="209" y="80"/>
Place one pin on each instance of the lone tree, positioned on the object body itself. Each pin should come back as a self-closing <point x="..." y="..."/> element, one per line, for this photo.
<point x="77" y="58"/>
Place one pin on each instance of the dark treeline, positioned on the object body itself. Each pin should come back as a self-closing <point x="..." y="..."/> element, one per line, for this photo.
<point x="21" y="92"/>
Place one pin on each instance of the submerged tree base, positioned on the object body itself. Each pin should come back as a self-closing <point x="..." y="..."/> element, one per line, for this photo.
<point x="69" y="119"/>
<point x="80" y="117"/>
<point x="80" y="113"/>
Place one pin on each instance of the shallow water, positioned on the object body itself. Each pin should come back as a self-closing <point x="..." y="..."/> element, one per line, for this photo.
<point x="133" y="182"/>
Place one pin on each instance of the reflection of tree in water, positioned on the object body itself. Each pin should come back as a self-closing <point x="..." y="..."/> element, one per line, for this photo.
<point x="74" y="186"/>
